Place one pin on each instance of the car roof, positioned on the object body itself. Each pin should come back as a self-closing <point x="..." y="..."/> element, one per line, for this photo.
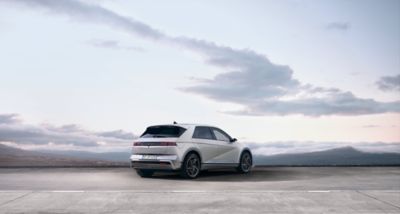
<point x="184" y="125"/>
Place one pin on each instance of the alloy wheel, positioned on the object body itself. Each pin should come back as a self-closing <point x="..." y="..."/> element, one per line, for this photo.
<point x="192" y="166"/>
<point x="246" y="162"/>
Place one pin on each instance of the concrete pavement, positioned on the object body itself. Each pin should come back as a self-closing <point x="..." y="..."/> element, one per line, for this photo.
<point x="266" y="190"/>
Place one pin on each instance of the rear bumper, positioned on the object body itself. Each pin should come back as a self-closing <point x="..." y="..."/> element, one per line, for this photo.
<point x="161" y="162"/>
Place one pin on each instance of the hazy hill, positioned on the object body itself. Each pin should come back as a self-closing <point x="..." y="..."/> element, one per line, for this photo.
<point x="338" y="156"/>
<point x="107" y="156"/>
<point x="13" y="157"/>
<point x="344" y="156"/>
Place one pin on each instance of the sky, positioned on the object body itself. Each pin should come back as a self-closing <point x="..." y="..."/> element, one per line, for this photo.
<point x="98" y="72"/>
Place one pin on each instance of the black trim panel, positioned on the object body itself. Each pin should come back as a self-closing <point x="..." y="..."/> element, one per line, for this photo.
<point x="218" y="165"/>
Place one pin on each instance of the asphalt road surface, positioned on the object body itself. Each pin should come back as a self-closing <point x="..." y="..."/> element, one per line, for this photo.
<point x="265" y="190"/>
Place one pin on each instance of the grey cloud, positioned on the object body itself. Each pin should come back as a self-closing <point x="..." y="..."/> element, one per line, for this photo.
<point x="112" y="44"/>
<point x="342" y="26"/>
<point x="262" y="87"/>
<point x="261" y="97"/>
<point x="120" y="134"/>
<point x="73" y="135"/>
<point x="389" y="83"/>
<point x="69" y="128"/>
<point x="253" y="75"/>
<point x="9" y="118"/>
<point x="342" y="103"/>
<point x="92" y="13"/>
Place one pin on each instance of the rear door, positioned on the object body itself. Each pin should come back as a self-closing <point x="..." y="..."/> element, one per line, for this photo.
<point x="228" y="151"/>
<point x="205" y="140"/>
<point x="214" y="145"/>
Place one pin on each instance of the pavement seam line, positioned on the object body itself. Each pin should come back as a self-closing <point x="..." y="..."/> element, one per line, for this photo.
<point x="370" y="196"/>
<point x="19" y="197"/>
<point x="188" y="191"/>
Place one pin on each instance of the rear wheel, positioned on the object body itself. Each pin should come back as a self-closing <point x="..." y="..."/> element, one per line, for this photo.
<point x="191" y="166"/>
<point x="246" y="162"/>
<point x="144" y="172"/>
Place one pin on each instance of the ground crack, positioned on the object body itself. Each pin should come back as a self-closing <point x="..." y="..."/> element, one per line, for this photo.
<point x="19" y="197"/>
<point x="369" y="196"/>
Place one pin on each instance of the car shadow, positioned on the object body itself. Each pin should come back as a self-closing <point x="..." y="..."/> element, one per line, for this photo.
<point x="256" y="175"/>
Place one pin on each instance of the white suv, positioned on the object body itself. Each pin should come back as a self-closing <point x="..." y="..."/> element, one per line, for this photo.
<point x="188" y="148"/>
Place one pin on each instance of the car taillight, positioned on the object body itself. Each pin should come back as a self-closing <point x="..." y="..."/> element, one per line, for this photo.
<point x="167" y="144"/>
<point x="137" y="144"/>
<point x="154" y="144"/>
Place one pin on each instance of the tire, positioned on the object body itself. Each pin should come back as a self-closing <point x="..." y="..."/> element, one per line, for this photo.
<point x="144" y="173"/>
<point x="246" y="162"/>
<point x="191" y="166"/>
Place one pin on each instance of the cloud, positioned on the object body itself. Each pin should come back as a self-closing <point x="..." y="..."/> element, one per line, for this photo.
<point x="270" y="89"/>
<point x="112" y="44"/>
<point x="255" y="77"/>
<point x="72" y="136"/>
<point x="273" y="148"/>
<point x="91" y="13"/>
<point x="9" y="118"/>
<point x="119" y="134"/>
<point x="389" y="83"/>
<point x="251" y="79"/>
<point x="340" y="26"/>
<point x="341" y="103"/>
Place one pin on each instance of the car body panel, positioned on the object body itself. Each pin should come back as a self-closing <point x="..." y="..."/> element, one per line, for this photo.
<point x="213" y="153"/>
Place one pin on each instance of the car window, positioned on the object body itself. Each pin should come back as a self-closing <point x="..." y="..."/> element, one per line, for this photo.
<point x="220" y="135"/>
<point x="163" y="131"/>
<point x="203" y="132"/>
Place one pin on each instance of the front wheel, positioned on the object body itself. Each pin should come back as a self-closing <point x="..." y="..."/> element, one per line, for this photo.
<point x="191" y="166"/>
<point x="145" y="173"/>
<point x="246" y="162"/>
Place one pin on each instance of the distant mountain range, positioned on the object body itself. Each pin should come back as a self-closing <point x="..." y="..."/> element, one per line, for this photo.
<point x="13" y="157"/>
<point x="105" y="156"/>
<point x="344" y="156"/>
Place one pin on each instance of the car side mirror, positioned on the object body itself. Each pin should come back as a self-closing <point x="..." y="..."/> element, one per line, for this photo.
<point x="233" y="140"/>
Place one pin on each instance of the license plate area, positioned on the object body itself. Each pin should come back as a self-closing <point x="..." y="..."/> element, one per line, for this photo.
<point x="149" y="157"/>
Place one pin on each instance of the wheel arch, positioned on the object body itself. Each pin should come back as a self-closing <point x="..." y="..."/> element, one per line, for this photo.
<point x="192" y="150"/>
<point x="246" y="149"/>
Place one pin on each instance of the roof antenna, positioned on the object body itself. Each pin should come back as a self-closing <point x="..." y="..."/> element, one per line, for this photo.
<point x="175" y="122"/>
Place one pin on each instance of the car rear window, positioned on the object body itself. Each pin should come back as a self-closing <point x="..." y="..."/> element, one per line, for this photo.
<point x="163" y="131"/>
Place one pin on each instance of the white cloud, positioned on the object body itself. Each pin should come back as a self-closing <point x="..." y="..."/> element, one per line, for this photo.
<point x="251" y="80"/>
<point x="72" y="137"/>
<point x="67" y="136"/>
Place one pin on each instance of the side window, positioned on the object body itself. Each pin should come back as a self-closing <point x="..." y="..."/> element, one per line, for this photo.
<point x="220" y="135"/>
<point x="202" y="132"/>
